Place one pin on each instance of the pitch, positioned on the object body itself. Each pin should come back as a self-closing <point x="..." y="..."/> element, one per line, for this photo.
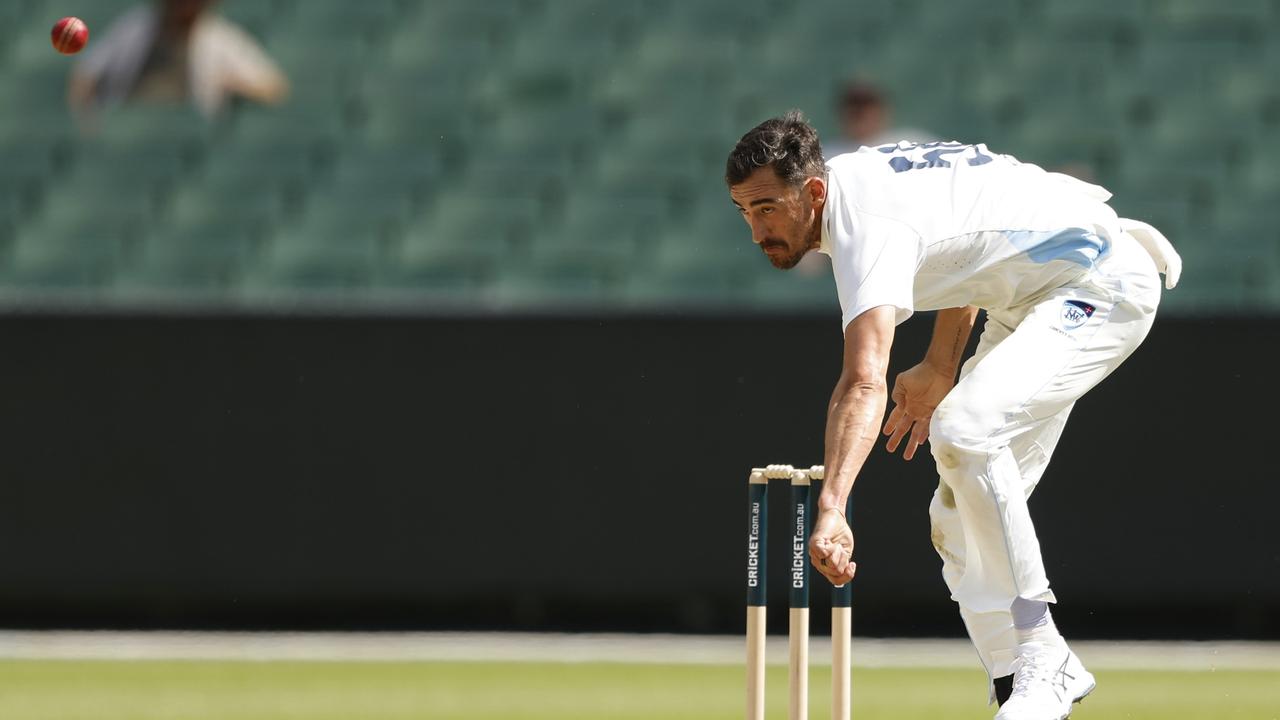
<point x="198" y="690"/>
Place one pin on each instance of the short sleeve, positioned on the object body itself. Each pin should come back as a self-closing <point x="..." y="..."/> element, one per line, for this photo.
<point x="228" y="61"/>
<point x="874" y="260"/>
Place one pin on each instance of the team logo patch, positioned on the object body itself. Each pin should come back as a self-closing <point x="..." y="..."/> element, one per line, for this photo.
<point x="1076" y="313"/>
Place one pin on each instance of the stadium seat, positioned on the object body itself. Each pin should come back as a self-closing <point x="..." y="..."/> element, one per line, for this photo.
<point x="298" y="264"/>
<point x="201" y="259"/>
<point x="426" y="267"/>
<point x="1086" y="17"/>
<point x="24" y="170"/>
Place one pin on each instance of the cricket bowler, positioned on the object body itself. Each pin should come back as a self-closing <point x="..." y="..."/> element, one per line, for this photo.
<point x="1070" y="290"/>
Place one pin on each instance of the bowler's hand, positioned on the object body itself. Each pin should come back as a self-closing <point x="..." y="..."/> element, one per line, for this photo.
<point x="831" y="547"/>
<point x="916" y="394"/>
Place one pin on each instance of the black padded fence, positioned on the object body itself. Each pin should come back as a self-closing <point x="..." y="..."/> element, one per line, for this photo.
<point x="575" y="473"/>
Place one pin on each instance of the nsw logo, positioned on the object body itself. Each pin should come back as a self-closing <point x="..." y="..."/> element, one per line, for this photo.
<point x="1076" y="313"/>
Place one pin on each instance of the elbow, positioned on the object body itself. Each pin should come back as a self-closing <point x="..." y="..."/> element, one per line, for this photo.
<point x="862" y="385"/>
<point x="868" y="386"/>
<point x="867" y="377"/>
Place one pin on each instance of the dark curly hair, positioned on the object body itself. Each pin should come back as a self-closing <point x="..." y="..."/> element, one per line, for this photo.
<point x="788" y="143"/>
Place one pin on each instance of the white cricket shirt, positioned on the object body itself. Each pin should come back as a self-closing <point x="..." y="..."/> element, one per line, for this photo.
<point x="943" y="225"/>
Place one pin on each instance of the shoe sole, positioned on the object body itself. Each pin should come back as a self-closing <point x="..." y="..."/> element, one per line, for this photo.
<point x="1085" y="694"/>
<point x="1078" y="698"/>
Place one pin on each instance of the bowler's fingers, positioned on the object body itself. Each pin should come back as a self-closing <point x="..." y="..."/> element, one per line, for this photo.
<point x="919" y="434"/>
<point x="849" y="572"/>
<point x="840" y="557"/>
<point x="901" y="431"/>
<point x="844" y="575"/>
<point x="895" y="417"/>
<point x="822" y="552"/>
<point x="839" y="568"/>
<point x="898" y="414"/>
<point x="819" y="551"/>
<point x="828" y="573"/>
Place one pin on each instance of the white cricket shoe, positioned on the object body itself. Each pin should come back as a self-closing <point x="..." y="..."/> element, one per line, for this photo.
<point x="1047" y="680"/>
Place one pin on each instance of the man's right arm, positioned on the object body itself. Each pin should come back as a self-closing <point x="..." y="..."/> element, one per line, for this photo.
<point x="857" y="404"/>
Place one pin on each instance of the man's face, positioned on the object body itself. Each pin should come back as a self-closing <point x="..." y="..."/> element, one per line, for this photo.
<point x="784" y="219"/>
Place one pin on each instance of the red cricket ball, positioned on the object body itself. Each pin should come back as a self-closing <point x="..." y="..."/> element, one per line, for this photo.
<point x="70" y="35"/>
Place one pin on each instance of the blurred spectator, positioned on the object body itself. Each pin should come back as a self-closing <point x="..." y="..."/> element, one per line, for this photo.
<point x="866" y="118"/>
<point x="173" y="52"/>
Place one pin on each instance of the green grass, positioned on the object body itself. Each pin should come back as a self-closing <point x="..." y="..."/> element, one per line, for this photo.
<point x="528" y="691"/>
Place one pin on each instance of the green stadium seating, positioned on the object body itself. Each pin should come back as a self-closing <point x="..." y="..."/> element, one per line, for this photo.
<point x="561" y="280"/>
<point x="445" y="21"/>
<point x="62" y="270"/>
<point x="701" y="287"/>
<point x="465" y="224"/>
<point x="216" y="202"/>
<point x="24" y="168"/>
<point x="698" y="252"/>
<point x="790" y="290"/>
<point x="1238" y="24"/>
<point x="281" y="167"/>
<point x="70" y="249"/>
<point x="602" y="233"/>
<point x="1238" y="275"/>
<point x="1098" y="14"/>
<point x="316" y="262"/>
<point x="514" y="153"/>
<point x="425" y="265"/>
<point x="194" y="260"/>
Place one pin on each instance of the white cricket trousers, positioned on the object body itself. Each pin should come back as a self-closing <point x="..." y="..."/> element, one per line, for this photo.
<point x="994" y="433"/>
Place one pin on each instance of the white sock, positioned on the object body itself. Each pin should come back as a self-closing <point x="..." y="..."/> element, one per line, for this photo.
<point x="1033" y="622"/>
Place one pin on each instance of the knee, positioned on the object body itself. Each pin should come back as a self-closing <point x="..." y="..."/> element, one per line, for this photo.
<point x="942" y="508"/>
<point x="958" y="428"/>
<point x="958" y="439"/>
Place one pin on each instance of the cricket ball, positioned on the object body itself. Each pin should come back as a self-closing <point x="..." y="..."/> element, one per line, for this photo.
<point x="70" y="35"/>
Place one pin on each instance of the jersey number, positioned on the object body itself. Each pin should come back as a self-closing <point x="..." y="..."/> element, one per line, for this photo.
<point x="908" y="156"/>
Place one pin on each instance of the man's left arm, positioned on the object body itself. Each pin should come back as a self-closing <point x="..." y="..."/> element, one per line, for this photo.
<point x="918" y="391"/>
